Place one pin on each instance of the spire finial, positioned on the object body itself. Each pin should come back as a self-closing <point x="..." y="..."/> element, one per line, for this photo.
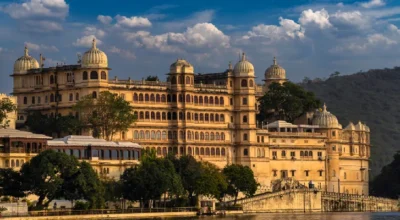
<point x="94" y="43"/>
<point x="274" y="60"/>
<point x="230" y="65"/>
<point x="26" y="51"/>
<point x="324" y="109"/>
<point x="243" y="56"/>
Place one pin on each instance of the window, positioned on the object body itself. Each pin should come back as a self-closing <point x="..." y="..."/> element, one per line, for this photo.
<point x="320" y="172"/>
<point x="244" y="83"/>
<point x="292" y="154"/>
<point x="94" y="95"/>
<point x="231" y="101"/>
<point x="51" y="79"/>
<point x="245" y="152"/>
<point x="230" y="83"/>
<point x="244" y="102"/>
<point x="71" y="97"/>
<point x="94" y="75"/>
<point x="84" y="76"/>
<point x="33" y="100"/>
<point x="187" y="80"/>
<point x="77" y="96"/>
<point x="25" y="100"/>
<point x="244" y="137"/>
<point x="51" y="97"/>
<point x="103" y="75"/>
<point x="274" y="171"/>
<point x="293" y="171"/>
<point x="251" y="83"/>
<point x="245" y="119"/>
<point x="306" y="171"/>
<point x="283" y="153"/>
<point x="319" y="154"/>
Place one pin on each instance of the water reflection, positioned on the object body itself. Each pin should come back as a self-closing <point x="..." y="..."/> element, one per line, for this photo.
<point x="304" y="216"/>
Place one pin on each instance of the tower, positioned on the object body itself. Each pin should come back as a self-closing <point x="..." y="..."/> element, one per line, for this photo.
<point x="274" y="73"/>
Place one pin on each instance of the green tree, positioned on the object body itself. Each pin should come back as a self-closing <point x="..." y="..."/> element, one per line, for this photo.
<point x="11" y="183"/>
<point x="212" y="182"/>
<point x="44" y="175"/>
<point x="43" y="124"/>
<point x="306" y="80"/>
<point x="112" y="190"/>
<point x="335" y="74"/>
<point x="105" y="115"/>
<point x="387" y="183"/>
<point x="6" y="106"/>
<point x="152" y="78"/>
<point x="286" y="102"/>
<point x="152" y="178"/>
<point x="84" y="184"/>
<point x="240" y="179"/>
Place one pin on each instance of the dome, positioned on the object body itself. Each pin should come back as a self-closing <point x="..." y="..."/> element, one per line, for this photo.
<point x="367" y="128"/>
<point x="350" y="127"/>
<point x="325" y="119"/>
<point x="94" y="58"/>
<point x="25" y="63"/>
<point x="360" y="126"/>
<point x="275" y="71"/>
<point x="181" y="66"/>
<point x="243" y="67"/>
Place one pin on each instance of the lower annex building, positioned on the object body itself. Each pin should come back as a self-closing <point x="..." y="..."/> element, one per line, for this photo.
<point x="210" y="116"/>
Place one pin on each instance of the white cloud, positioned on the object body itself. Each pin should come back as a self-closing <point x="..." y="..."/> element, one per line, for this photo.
<point x="373" y="3"/>
<point x="375" y="39"/>
<point x="203" y="35"/>
<point x="288" y="29"/>
<point x="40" y="47"/>
<point x="104" y="19"/>
<point x="37" y="8"/>
<point x="42" y="26"/>
<point x="205" y="16"/>
<point x="94" y="31"/>
<point x="86" y="41"/>
<point x="133" y="21"/>
<point x="123" y="53"/>
<point x="371" y="43"/>
<point x="350" y="18"/>
<point x="319" y="18"/>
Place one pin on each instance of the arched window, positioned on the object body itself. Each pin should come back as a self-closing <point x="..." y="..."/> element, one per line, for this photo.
<point x="188" y="116"/>
<point x="206" y="118"/>
<point x="212" y="137"/>
<point x="211" y="100"/>
<point x="218" y="153"/>
<point x="84" y="75"/>
<point x="207" y="136"/>
<point x="216" y="117"/>
<point x="201" y="151"/>
<point x="301" y="153"/>
<point x="187" y="80"/>
<point x="164" y="116"/>
<point x="196" y="135"/>
<point x="245" y="119"/>
<point x="197" y="151"/>
<point x="153" y="116"/>
<point x="94" y="75"/>
<point x="71" y="97"/>
<point x="180" y="80"/>
<point x="196" y="100"/>
<point x="103" y="75"/>
<point x="245" y="137"/>
<point x="52" y="79"/>
<point x="141" y="115"/>
<point x="244" y="101"/>
<point x="136" y="135"/>
<point x="221" y="101"/>
<point x="217" y="137"/>
<point x="216" y="100"/>
<point x="142" y="135"/>
<point x="244" y="83"/>
<point x="222" y="136"/>
<point x="147" y="135"/>
<point x="141" y="97"/>
<point x="25" y="100"/>
<point x="188" y="98"/>
<point x="158" y="99"/>
<point x="211" y="117"/>
<point x="306" y="154"/>
<point x="94" y="95"/>
<point x="152" y="98"/>
<point x="223" y="151"/>
<point x="206" y="100"/>
<point x="146" y="115"/>
<point x="201" y="136"/>
<point x="246" y="152"/>
<point x="163" y="98"/>
<point x="201" y="100"/>
<point x="158" y="116"/>
<point x="77" y="96"/>
<point x="164" y="135"/>
<point x="222" y="118"/>
<point x="207" y="151"/>
<point x="173" y="80"/>
<point x="146" y="97"/>
<point x="251" y="83"/>
<point x="201" y="117"/>
<point x="135" y="97"/>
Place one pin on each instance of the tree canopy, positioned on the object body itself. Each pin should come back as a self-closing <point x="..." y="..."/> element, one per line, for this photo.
<point x="11" y="183"/>
<point x="105" y="114"/>
<point x="6" y="106"/>
<point x="286" y="102"/>
<point x="152" y="78"/>
<point x="44" y="124"/>
<point x="387" y="183"/>
<point x="240" y="179"/>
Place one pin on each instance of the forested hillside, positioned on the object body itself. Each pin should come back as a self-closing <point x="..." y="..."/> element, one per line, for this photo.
<point x="372" y="97"/>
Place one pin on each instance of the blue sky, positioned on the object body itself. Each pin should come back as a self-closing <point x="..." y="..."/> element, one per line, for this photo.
<point x="309" y="38"/>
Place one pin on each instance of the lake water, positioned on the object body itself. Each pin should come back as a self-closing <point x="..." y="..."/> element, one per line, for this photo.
<point x="304" y="216"/>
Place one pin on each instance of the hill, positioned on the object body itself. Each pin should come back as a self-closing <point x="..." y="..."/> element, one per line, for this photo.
<point x="372" y="97"/>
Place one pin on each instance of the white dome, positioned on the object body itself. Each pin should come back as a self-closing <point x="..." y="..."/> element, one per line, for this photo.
<point x="325" y="119"/>
<point x="94" y="58"/>
<point x="243" y="67"/>
<point x="25" y="63"/>
<point x="181" y="66"/>
<point x="275" y="71"/>
<point x="350" y="127"/>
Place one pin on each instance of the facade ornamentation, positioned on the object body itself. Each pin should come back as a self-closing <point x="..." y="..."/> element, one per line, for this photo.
<point x="213" y="118"/>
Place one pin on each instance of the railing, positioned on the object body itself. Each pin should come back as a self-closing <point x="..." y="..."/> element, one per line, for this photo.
<point x="210" y="86"/>
<point x="301" y="134"/>
<point x="110" y="211"/>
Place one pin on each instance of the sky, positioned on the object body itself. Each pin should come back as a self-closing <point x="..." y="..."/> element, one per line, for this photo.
<point x="310" y="38"/>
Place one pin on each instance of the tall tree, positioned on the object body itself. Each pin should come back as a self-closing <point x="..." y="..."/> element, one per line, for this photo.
<point x="240" y="179"/>
<point x="56" y="125"/>
<point x="11" y="183"/>
<point x="6" y="106"/>
<point x="152" y="78"/>
<point x="45" y="173"/>
<point x="286" y="102"/>
<point x="106" y="114"/>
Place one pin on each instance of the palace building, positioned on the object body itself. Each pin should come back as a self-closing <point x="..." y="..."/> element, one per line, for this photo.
<point x="210" y="116"/>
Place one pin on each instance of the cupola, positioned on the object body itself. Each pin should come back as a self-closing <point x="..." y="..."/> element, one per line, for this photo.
<point x="94" y="58"/>
<point x="25" y="63"/>
<point x="181" y="66"/>
<point x="275" y="72"/>
<point x="243" y="67"/>
<point x="325" y="119"/>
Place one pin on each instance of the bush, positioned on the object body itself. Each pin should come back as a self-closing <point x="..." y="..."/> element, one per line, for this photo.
<point x="79" y="205"/>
